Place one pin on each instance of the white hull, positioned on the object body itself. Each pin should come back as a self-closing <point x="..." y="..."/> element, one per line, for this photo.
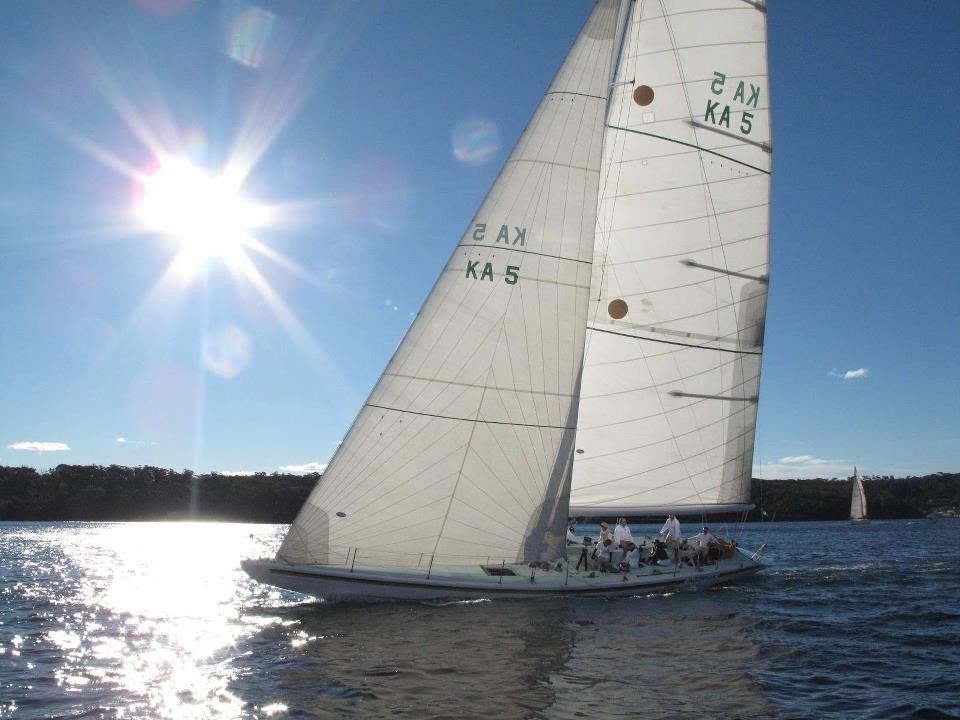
<point x="465" y="583"/>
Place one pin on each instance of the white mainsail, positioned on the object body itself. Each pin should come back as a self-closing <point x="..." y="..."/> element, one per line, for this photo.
<point x="464" y="447"/>
<point x="858" y="497"/>
<point x="678" y="293"/>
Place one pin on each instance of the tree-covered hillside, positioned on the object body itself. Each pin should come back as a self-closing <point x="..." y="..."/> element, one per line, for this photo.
<point x="114" y="492"/>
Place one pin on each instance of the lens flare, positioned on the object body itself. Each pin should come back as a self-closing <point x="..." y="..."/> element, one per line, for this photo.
<point x="226" y="351"/>
<point x="475" y="141"/>
<point x="195" y="145"/>
<point x="249" y="35"/>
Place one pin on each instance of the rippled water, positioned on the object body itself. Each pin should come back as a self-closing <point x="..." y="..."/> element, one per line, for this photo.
<point x="155" y="620"/>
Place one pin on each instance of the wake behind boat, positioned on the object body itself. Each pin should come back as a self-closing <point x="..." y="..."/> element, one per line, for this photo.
<point x="631" y="219"/>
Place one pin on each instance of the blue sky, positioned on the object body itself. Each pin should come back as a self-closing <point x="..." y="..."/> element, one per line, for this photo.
<point x="365" y="135"/>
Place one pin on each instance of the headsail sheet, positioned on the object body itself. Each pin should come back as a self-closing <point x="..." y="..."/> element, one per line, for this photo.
<point x="463" y="451"/>
<point x="679" y="286"/>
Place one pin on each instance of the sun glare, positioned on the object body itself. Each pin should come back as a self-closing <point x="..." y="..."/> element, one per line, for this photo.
<point x="207" y="215"/>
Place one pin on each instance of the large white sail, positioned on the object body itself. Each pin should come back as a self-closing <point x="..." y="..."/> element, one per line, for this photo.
<point x="678" y="299"/>
<point x="464" y="448"/>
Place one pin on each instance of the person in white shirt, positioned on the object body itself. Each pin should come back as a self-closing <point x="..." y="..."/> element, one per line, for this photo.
<point x="571" y="538"/>
<point x="671" y="529"/>
<point x="621" y="534"/>
<point x="702" y="542"/>
<point x="605" y="534"/>
<point x="631" y="557"/>
<point x="670" y="532"/>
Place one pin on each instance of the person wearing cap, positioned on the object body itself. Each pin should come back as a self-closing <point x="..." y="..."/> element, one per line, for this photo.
<point x="571" y="538"/>
<point x="605" y="534"/>
<point x="702" y="542"/>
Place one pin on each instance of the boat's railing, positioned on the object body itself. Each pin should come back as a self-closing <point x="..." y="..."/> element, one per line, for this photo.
<point x="353" y="558"/>
<point x="367" y="559"/>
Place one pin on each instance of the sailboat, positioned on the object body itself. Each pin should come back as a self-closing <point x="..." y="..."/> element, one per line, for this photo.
<point x="598" y="327"/>
<point x="858" y="498"/>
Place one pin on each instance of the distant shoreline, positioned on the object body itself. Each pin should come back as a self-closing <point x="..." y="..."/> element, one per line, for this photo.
<point x="123" y="494"/>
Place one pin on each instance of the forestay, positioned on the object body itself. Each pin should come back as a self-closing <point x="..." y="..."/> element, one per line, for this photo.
<point x="464" y="448"/>
<point x="675" y="327"/>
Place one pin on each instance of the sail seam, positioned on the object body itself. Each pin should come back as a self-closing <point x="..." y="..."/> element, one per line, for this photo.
<point x="690" y="145"/>
<point x="680" y="152"/>
<point x="686" y="252"/>
<point x="537" y="161"/>
<point x="695" y="283"/>
<point x="702" y="45"/>
<point x="681" y="461"/>
<point x="527" y="252"/>
<point x="578" y="94"/>
<point x="643" y="446"/>
<point x="498" y="388"/>
<point x="712" y="216"/>
<point x="470" y="420"/>
<point x="674" y="342"/>
<point x="672" y="188"/>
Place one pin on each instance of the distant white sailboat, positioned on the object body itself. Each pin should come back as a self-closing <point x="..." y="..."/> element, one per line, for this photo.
<point x="607" y="297"/>
<point x="858" y="498"/>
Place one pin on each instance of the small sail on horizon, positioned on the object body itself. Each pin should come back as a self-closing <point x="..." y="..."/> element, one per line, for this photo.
<point x="858" y="497"/>
<point x="668" y="403"/>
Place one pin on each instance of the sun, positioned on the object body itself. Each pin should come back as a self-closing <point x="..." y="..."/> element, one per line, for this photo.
<point x="207" y="215"/>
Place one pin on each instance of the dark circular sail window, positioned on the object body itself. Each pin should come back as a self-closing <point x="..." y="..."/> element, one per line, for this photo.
<point x="617" y="309"/>
<point x="643" y="95"/>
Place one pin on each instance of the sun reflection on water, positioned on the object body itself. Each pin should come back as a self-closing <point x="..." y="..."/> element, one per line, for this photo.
<point x="154" y="618"/>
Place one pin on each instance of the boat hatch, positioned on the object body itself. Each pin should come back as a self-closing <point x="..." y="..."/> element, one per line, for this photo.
<point x="497" y="570"/>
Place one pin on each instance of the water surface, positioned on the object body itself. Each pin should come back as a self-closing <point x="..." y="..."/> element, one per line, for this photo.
<point x="156" y="620"/>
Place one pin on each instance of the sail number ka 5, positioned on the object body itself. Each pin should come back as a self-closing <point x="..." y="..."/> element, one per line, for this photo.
<point x="485" y="272"/>
<point x="475" y="271"/>
<point x="721" y="116"/>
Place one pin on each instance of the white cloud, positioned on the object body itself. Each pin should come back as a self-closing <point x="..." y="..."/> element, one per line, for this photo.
<point x="802" y="467"/>
<point x="40" y="447"/>
<point x="311" y="467"/>
<point x="121" y="440"/>
<point x="850" y="374"/>
<point x="236" y="473"/>
<point x="801" y="459"/>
